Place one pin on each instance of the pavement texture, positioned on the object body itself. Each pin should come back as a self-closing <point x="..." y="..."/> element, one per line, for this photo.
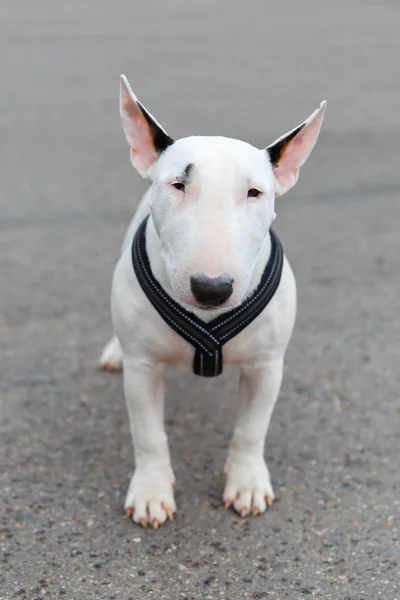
<point x="245" y="69"/>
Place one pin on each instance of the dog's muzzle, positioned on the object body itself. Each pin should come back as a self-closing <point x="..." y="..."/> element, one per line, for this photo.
<point x="208" y="338"/>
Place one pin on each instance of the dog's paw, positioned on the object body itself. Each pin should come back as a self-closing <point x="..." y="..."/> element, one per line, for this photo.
<point x="150" y="497"/>
<point x="248" y="486"/>
<point x="111" y="357"/>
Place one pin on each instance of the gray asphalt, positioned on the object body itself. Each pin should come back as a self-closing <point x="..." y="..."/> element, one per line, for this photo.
<point x="245" y="69"/>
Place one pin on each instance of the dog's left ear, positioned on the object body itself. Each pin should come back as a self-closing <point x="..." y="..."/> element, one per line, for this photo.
<point x="289" y="152"/>
<point x="145" y="136"/>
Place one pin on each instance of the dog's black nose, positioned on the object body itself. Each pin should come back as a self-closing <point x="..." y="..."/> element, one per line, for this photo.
<point x="211" y="291"/>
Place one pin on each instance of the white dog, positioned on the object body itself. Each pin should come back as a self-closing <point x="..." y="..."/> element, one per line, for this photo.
<point x="204" y="284"/>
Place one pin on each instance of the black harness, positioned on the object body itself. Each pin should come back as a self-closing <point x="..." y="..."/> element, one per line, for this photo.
<point x="207" y="338"/>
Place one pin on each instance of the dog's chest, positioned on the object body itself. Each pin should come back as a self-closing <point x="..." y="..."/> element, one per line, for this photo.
<point x="170" y="348"/>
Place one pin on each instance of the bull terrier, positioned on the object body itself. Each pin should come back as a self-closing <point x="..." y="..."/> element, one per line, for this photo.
<point x="202" y="282"/>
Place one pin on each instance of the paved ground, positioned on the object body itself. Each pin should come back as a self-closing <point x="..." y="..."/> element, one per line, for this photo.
<point x="67" y="193"/>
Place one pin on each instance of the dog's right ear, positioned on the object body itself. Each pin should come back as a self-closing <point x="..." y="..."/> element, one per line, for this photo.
<point x="289" y="152"/>
<point x="145" y="136"/>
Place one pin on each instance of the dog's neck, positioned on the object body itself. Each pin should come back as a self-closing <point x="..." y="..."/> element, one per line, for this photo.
<point x="153" y="247"/>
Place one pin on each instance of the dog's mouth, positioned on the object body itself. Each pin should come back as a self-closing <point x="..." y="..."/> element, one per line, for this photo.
<point x="207" y="307"/>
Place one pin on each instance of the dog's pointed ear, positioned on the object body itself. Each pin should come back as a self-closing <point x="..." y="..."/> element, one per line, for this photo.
<point x="145" y="136"/>
<point x="289" y="152"/>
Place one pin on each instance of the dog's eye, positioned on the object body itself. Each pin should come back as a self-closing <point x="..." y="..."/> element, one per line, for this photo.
<point x="253" y="193"/>
<point x="179" y="186"/>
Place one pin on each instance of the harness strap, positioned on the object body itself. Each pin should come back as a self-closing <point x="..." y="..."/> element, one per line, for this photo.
<point x="207" y="338"/>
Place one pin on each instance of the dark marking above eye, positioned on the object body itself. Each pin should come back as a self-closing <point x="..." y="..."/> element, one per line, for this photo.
<point x="277" y="150"/>
<point x="161" y="140"/>
<point x="188" y="170"/>
<point x="184" y="178"/>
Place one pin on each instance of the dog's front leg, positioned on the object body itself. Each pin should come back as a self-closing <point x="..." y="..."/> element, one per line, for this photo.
<point x="150" y="497"/>
<point x="248" y="487"/>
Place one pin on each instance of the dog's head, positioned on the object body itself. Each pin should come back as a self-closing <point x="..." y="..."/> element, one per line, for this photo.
<point x="212" y="200"/>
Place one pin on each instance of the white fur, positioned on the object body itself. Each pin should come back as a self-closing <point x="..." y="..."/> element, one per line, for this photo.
<point x="211" y="228"/>
<point x="111" y="357"/>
